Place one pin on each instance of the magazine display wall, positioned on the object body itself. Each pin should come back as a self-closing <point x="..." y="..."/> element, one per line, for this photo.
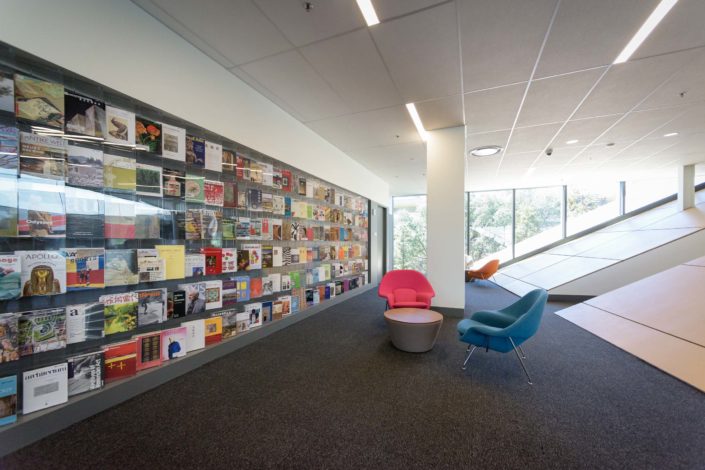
<point x="129" y="237"/>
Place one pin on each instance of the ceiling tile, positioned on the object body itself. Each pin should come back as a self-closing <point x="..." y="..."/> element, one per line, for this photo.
<point x="441" y="113"/>
<point x="554" y="99"/>
<point x="421" y="52"/>
<point x="627" y="84"/>
<point x="584" y="130"/>
<point x="682" y="28"/>
<point x="492" y="110"/>
<point x="388" y="126"/>
<point x="387" y="9"/>
<point x="501" y="40"/>
<point x="690" y="81"/>
<point x="639" y="124"/>
<point x="354" y="68"/>
<point x="325" y="19"/>
<point x="591" y="33"/>
<point x="291" y="78"/>
<point x="486" y="138"/>
<point x="234" y="28"/>
<point x="646" y="148"/>
<point x="532" y="139"/>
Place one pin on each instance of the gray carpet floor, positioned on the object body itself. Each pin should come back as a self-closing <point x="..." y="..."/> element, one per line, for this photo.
<point x="332" y="392"/>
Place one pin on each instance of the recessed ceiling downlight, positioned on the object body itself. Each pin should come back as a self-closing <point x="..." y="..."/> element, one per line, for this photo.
<point x="486" y="150"/>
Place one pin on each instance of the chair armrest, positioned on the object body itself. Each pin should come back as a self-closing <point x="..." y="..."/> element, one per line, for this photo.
<point x="425" y="296"/>
<point x="390" y="298"/>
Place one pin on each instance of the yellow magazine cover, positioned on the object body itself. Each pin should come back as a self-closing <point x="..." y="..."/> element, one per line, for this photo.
<point x="174" y="257"/>
<point x="119" y="172"/>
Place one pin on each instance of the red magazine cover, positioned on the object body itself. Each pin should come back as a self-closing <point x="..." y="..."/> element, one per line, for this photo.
<point x="286" y="181"/>
<point x="149" y="353"/>
<point x="213" y="191"/>
<point x="214" y="330"/>
<point x="214" y="260"/>
<point x="120" y="360"/>
<point x="229" y="194"/>
<point x="309" y="233"/>
<point x="255" y="287"/>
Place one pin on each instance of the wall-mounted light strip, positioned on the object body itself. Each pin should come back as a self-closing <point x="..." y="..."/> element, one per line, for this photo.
<point x="651" y="22"/>
<point x="417" y="121"/>
<point x="368" y="11"/>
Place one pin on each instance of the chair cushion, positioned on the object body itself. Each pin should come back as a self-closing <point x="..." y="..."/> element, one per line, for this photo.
<point x="404" y="295"/>
<point x="409" y="305"/>
<point x="493" y="318"/>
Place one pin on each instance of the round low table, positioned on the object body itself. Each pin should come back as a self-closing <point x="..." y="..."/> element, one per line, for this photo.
<point x="413" y="329"/>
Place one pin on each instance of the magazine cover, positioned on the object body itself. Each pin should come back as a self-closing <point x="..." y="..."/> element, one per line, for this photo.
<point x="286" y="282"/>
<point x="42" y="208"/>
<point x="254" y="199"/>
<point x="42" y="156"/>
<point x="120" y="312"/>
<point x="195" y="151"/>
<point x="254" y="251"/>
<point x="84" y="115"/>
<point x="119" y="172"/>
<point x="214" y="260"/>
<point x="7" y="93"/>
<point x="43" y="272"/>
<point x="211" y="224"/>
<point x="84" y="322"/>
<point x="256" y="287"/>
<point x="302" y="186"/>
<point x="120" y="126"/>
<point x="214" y="330"/>
<point x="120" y="360"/>
<point x="267" y="229"/>
<point x="148" y="135"/>
<point x="277" y="178"/>
<point x="149" y="350"/>
<point x="213" y="193"/>
<point x="229" y="162"/>
<point x="242" y="171"/>
<point x="174" y="183"/>
<point x="286" y="255"/>
<point x="151" y="306"/>
<point x="277" y="310"/>
<point x="229" y="292"/>
<point x="277" y="204"/>
<point x="195" y="297"/>
<point x="286" y="304"/>
<point x="151" y="268"/>
<point x="267" y="255"/>
<point x="119" y="217"/>
<point x="148" y="180"/>
<point x="194" y="264"/>
<point x="8" y="399"/>
<point x="10" y="277"/>
<point x="39" y="101"/>
<point x="214" y="157"/>
<point x="42" y="330"/>
<point x="267" y="202"/>
<point x="9" y="150"/>
<point x="84" y="167"/>
<point x="287" y="181"/>
<point x="195" y="188"/>
<point x="174" y="257"/>
<point x="228" y="323"/>
<point x="243" y="288"/>
<point x="176" y="304"/>
<point x="254" y="312"/>
<point x="242" y="229"/>
<point x="173" y="142"/>
<point x="242" y="322"/>
<point x="85" y="373"/>
<point x="121" y="268"/>
<point x="267" y="174"/>
<point x="9" y="337"/>
<point x="85" y="213"/>
<point x="229" y="260"/>
<point x="173" y="343"/>
<point x="147" y="221"/>
<point x="255" y="172"/>
<point x="44" y="387"/>
<point x="84" y="268"/>
<point x="214" y="298"/>
<point x="193" y="224"/>
<point x="229" y="194"/>
<point x="195" y="334"/>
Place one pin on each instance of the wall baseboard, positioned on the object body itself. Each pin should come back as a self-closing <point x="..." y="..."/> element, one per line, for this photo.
<point x="576" y="299"/>
<point x="36" y="426"/>
<point x="449" y="311"/>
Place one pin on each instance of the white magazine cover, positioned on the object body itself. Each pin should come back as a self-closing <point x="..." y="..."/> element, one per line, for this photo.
<point x="44" y="387"/>
<point x="195" y="334"/>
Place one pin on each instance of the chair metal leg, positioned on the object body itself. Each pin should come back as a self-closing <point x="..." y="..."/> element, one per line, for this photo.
<point x="523" y="354"/>
<point x="520" y="361"/>
<point x="468" y="356"/>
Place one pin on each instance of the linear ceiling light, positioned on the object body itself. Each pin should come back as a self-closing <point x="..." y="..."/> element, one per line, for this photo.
<point x="417" y="121"/>
<point x="651" y="22"/>
<point x="368" y="11"/>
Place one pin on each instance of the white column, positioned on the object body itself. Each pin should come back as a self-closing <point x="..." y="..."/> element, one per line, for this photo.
<point x="686" y="187"/>
<point x="445" y="180"/>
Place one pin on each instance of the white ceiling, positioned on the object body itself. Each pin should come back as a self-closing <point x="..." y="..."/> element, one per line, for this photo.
<point x="525" y="75"/>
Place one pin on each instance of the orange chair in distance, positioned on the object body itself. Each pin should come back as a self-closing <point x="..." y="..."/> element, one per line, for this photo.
<point x="484" y="273"/>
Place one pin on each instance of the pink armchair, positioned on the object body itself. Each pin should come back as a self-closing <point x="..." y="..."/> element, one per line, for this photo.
<point x="406" y="288"/>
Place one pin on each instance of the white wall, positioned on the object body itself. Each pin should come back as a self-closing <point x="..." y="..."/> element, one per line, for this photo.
<point x="445" y="179"/>
<point x="116" y="43"/>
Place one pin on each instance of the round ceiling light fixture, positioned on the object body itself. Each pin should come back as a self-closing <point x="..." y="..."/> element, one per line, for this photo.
<point x="486" y="150"/>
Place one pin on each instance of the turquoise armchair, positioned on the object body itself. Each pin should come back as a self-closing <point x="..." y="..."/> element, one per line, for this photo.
<point x="506" y="329"/>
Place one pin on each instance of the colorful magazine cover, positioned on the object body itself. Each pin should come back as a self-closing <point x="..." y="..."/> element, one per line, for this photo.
<point x="7" y="92"/>
<point x="85" y="373"/>
<point x="214" y="157"/>
<point x="194" y="264"/>
<point x="173" y="142"/>
<point x="84" y="115"/>
<point x="43" y="272"/>
<point x="151" y="306"/>
<point x="254" y="313"/>
<point x="214" y="330"/>
<point x="229" y="292"/>
<point x="173" y="343"/>
<point x="84" y="322"/>
<point x="42" y="156"/>
<point x="211" y="224"/>
<point x="213" y="193"/>
<point x="229" y="164"/>
<point x="243" y="288"/>
<point x="120" y="312"/>
<point x="119" y="217"/>
<point x="9" y="337"/>
<point x="10" y="277"/>
<point x="254" y="253"/>
<point x="85" y="268"/>
<point x="174" y="183"/>
<point x="42" y="330"/>
<point x="39" y="101"/>
<point x="120" y="126"/>
<point x="85" y="213"/>
<point x="42" y="208"/>
<point x="8" y="400"/>
<point x="214" y="260"/>
<point x="214" y="294"/>
<point x="121" y="267"/>
<point x="149" y="350"/>
<point x="84" y="167"/>
<point x="194" y="191"/>
<point x="9" y="150"/>
<point x="193" y="224"/>
<point x="120" y="360"/>
<point x="229" y="260"/>
<point x="195" y="151"/>
<point x="119" y="173"/>
<point x="228" y="323"/>
<point x="242" y="322"/>
<point x="148" y="180"/>
<point x="195" y="297"/>
<point x="45" y="387"/>
<point x="148" y="135"/>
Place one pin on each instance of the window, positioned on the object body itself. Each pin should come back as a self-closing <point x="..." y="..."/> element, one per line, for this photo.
<point x="410" y="233"/>
<point x="590" y="205"/>
<point x="640" y="193"/>
<point x="538" y="218"/>
<point x="489" y="219"/>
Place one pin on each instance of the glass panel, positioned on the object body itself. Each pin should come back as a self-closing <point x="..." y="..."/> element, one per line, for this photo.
<point x="490" y="231"/>
<point x="641" y="192"/>
<point x="589" y="205"/>
<point x="410" y="233"/>
<point x="538" y="218"/>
